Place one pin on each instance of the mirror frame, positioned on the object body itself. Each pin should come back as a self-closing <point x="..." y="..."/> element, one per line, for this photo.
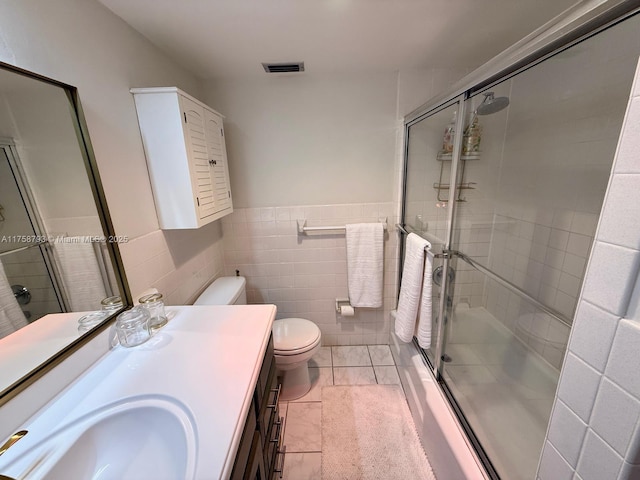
<point x="99" y="197"/>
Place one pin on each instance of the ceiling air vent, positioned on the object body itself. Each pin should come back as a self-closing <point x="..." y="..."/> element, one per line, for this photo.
<point x="283" y="67"/>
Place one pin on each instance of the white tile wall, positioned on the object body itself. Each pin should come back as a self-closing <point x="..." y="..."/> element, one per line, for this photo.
<point x="611" y="447"/>
<point x="180" y="264"/>
<point x="304" y="274"/>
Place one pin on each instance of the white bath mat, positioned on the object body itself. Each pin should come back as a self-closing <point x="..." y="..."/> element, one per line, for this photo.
<point x="368" y="433"/>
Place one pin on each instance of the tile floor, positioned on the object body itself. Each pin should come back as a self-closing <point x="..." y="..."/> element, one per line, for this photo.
<point x="356" y="365"/>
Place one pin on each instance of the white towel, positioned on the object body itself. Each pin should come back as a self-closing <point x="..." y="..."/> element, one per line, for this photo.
<point x="365" y="264"/>
<point x="81" y="275"/>
<point x="424" y="317"/>
<point x="413" y="273"/>
<point x="11" y="316"/>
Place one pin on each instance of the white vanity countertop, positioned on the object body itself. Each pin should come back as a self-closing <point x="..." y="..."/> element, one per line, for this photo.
<point x="27" y="348"/>
<point x="208" y="358"/>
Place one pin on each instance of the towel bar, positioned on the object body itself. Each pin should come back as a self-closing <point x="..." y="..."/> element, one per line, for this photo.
<point x="497" y="278"/>
<point x="20" y="249"/>
<point x="303" y="229"/>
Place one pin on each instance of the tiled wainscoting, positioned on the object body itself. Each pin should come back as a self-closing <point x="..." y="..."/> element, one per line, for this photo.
<point x="338" y="365"/>
<point x="304" y="274"/>
<point x="179" y="263"/>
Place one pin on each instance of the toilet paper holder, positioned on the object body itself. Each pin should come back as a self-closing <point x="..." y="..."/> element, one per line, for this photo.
<point x="342" y="302"/>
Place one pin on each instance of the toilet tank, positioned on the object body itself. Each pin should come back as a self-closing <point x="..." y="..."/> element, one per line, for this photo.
<point x="224" y="291"/>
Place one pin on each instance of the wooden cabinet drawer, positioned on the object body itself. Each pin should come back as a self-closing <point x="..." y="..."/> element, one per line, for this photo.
<point x="264" y="379"/>
<point x="263" y="425"/>
<point x="244" y="449"/>
<point x="255" y="468"/>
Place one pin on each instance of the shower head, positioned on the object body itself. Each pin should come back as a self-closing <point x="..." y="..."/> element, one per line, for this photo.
<point x="490" y="104"/>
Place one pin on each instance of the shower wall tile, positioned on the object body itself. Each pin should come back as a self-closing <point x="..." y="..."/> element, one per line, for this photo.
<point x="578" y="386"/>
<point x="566" y="433"/>
<point x="598" y="460"/>
<point x="625" y="352"/>
<point x="629" y="472"/>
<point x="615" y="416"/>
<point x="552" y="465"/>
<point x="593" y="333"/>
<point x="304" y="274"/>
<point x="615" y="269"/>
<point x="623" y="200"/>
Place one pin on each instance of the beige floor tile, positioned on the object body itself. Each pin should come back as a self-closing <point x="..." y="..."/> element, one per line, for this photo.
<point x="322" y="358"/>
<point x="381" y="355"/>
<point x="353" y="376"/>
<point x="357" y="356"/>
<point x="387" y="375"/>
<point x="302" y="466"/>
<point x="303" y="429"/>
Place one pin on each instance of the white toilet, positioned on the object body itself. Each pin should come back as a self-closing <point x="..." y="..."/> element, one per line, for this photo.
<point x="295" y="340"/>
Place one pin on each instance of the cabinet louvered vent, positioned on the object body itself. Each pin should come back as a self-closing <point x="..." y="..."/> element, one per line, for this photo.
<point x="283" y="67"/>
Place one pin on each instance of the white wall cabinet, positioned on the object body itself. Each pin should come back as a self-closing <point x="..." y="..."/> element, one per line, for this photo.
<point x="186" y="155"/>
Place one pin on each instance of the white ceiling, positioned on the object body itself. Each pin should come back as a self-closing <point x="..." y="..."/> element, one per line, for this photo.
<point x="230" y="38"/>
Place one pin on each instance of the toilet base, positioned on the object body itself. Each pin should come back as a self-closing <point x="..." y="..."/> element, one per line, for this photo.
<point x="295" y="382"/>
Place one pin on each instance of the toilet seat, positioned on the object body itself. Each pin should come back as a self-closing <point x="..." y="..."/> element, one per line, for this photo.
<point x="293" y="336"/>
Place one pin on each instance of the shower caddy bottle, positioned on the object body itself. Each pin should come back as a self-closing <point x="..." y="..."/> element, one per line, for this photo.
<point x="449" y="135"/>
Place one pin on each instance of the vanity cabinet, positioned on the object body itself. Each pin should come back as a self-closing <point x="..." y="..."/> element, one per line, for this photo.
<point x="261" y="453"/>
<point x="186" y="155"/>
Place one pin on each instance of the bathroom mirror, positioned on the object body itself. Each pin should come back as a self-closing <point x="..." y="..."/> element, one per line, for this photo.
<point x="58" y="253"/>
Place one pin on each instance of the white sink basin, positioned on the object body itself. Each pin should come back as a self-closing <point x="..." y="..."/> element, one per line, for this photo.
<point x="141" y="438"/>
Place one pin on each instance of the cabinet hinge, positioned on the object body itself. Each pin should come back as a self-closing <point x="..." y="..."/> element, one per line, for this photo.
<point x="185" y="116"/>
<point x="198" y="200"/>
<point x="222" y="132"/>
<point x="229" y="192"/>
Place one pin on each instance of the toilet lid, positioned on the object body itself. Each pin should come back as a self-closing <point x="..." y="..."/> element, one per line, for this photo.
<point x="294" y="334"/>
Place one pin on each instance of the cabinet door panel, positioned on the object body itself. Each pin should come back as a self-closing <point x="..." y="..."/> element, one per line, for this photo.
<point x="218" y="157"/>
<point x="197" y="146"/>
<point x="255" y="467"/>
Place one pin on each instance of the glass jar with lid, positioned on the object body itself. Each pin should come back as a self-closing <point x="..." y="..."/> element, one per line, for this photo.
<point x="111" y="304"/>
<point x="90" y="320"/>
<point x="154" y="304"/>
<point x="132" y="327"/>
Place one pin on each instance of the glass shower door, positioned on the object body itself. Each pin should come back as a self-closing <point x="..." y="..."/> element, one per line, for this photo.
<point x="522" y="238"/>
<point x="427" y="207"/>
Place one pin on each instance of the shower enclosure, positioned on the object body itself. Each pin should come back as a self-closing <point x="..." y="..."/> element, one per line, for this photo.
<point x="506" y="181"/>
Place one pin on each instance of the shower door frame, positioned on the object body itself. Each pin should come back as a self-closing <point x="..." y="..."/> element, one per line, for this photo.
<point x="587" y="25"/>
<point x="577" y="24"/>
<point x="448" y="257"/>
<point x="30" y="205"/>
<point x="458" y="101"/>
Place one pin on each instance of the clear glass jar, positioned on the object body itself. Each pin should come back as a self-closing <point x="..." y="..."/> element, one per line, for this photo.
<point x="90" y="320"/>
<point x="132" y="327"/>
<point x="154" y="304"/>
<point x="111" y="304"/>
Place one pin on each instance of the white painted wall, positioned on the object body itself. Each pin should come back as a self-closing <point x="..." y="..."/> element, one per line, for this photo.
<point x="83" y="44"/>
<point x="308" y="140"/>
